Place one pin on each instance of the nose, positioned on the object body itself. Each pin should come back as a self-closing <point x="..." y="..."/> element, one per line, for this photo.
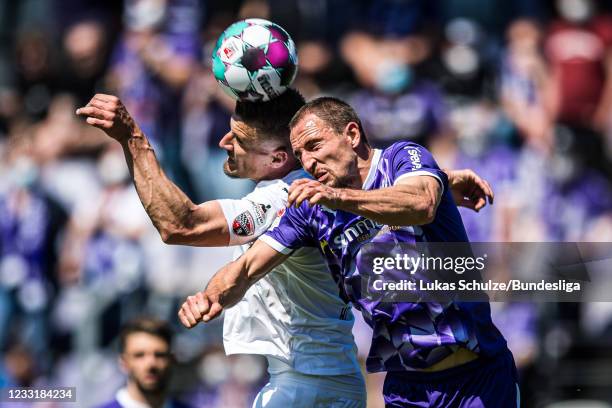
<point x="226" y="141"/>
<point x="308" y="162"/>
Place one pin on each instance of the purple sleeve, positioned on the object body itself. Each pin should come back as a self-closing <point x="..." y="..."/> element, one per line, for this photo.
<point x="410" y="159"/>
<point x="291" y="230"/>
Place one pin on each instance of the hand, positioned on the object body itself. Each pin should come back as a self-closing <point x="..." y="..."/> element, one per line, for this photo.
<point x="314" y="192"/>
<point x="107" y="112"/>
<point x="198" y="308"/>
<point x="469" y="189"/>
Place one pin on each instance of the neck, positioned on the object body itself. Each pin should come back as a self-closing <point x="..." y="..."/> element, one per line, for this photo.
<point x="154" y="400"/>
<point x="365" y="154"/>
<point x="281" y="172"/>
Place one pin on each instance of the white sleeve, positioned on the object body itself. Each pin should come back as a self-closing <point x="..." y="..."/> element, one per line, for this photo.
<point x="252" y="215"/>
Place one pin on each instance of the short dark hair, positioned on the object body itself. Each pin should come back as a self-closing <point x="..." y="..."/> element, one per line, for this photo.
<point x="149" y="325"/>
<point x="271" y="117"/>
<point x="333" y="111"/>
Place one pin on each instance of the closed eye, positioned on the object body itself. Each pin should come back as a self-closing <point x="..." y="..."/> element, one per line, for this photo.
<point x="312" y="146"/>
<point x="238" y="139"/>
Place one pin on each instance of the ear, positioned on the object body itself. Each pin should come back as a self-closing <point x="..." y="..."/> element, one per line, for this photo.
<point x="351" y="131"/>
<point x="279" y="157"/>
<point x="123" y="363"/>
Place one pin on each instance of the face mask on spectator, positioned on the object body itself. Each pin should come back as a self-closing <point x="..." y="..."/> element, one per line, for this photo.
<point x="393" y="77"/>
<point x="24" y="173"/>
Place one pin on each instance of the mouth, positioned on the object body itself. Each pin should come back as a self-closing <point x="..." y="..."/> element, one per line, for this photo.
<point x="321" y="176"/>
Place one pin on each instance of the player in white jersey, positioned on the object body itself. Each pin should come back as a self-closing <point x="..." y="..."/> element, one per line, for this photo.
<point x="294" y="316"/>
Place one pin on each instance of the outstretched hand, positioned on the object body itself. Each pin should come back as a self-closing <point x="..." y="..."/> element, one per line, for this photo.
<point x="108" y="113"/>
<point x="469" y="189"/>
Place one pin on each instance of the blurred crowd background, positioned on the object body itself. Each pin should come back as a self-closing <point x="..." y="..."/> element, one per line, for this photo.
<point x="520" y="91"/>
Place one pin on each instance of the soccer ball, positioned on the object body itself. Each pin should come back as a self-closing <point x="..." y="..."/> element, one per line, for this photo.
<point x="254" y="60"/>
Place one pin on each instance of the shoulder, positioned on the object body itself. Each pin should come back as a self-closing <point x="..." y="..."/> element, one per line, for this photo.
<point x="405" y="149"/>
<point x="402" y="145"/>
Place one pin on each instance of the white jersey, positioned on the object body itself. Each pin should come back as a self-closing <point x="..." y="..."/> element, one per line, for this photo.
<point x="294" y="313"/>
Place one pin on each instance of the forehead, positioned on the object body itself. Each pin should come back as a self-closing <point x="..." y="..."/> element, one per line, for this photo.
<point x="308" y="128"/>
<point x="141" y="341"/>
<point x="243" y="129"/>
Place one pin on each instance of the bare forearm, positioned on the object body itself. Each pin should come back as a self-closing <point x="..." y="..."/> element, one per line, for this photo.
<point x="174" y="215"/>
<point x="178" y="220"/>
<point x="232" y="281"/>
<point x="398" y="205"/>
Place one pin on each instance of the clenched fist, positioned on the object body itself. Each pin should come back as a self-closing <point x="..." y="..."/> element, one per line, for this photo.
<point x="108" y="113"/>
<point x="198" y="308"/>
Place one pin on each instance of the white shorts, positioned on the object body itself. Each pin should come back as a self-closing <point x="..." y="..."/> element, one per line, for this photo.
<point x="296" y="390"/>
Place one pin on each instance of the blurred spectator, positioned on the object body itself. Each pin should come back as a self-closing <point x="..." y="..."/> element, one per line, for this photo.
<point x="525" y="84"/>
<point x="393" y="103"/>
<point x="85" y="45"/>
<point x="151" y="64"/>
<point x="146" y="359"/>
<point x="102" y="256"/>
<point x="18" y="367"/>
<point x="579" y="48"/>
<point x="30" y="222"/>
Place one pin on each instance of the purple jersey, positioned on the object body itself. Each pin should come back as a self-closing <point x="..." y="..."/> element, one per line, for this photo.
<point x="406" y="335"/>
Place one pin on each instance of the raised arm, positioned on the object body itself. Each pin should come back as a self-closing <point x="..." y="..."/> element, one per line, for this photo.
<point x="229" y="284"/>
<point x="411" y="201"/>
<point x="176" y="217"/>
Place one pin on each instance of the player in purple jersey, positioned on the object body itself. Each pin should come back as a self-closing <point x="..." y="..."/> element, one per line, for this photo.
<point x="436" y="354"/>
<point x="146" y="359"/>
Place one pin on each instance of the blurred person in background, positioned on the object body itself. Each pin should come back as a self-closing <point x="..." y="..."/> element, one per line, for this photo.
<point x="394" y="103"/>
<point x="85" y="48"/>
<point x="145" y="356"/>
<point x="383" y="53"/>
<point x="316" y="29"/>
<point x="102" y="256"/>
<point x="150" y="66"/>
<point x="525" y="84"/>
<point x="30" y="225"/>
<point x="86" y="33"/>
<point x="578" y="46"/>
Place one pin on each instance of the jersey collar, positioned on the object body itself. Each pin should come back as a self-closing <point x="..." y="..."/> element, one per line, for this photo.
<point x="372" y="172"/>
